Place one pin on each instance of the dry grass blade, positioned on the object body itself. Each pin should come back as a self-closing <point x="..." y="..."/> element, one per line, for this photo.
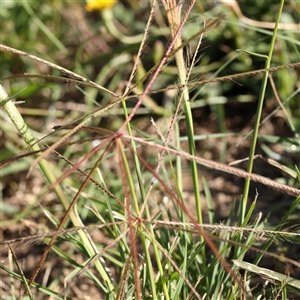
<point x="225" y="168"/>
<point x="61" y="80"/>
<point x="233" y="4"/>
<point x="55" y="66"/>
<point x="231" y="77"/>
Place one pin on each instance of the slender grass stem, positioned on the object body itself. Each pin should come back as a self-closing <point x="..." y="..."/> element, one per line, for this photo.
<point x="258" y="115"/>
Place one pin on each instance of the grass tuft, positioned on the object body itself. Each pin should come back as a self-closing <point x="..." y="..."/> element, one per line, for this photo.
<point x="121" y="128"/>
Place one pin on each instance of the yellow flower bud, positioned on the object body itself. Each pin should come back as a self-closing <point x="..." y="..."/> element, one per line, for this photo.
<point x="99" y="4"/>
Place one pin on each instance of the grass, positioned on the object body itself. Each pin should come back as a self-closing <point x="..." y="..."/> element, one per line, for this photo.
<point x="117" y="133"/>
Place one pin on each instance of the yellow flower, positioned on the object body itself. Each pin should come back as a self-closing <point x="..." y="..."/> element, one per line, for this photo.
<point x="99" y="4"/>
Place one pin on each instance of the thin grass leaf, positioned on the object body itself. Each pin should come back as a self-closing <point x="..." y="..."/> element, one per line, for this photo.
<point x="291" y="283"/>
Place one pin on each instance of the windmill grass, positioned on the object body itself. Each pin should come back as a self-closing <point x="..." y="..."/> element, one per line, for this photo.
<point x="151" y="243"/>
